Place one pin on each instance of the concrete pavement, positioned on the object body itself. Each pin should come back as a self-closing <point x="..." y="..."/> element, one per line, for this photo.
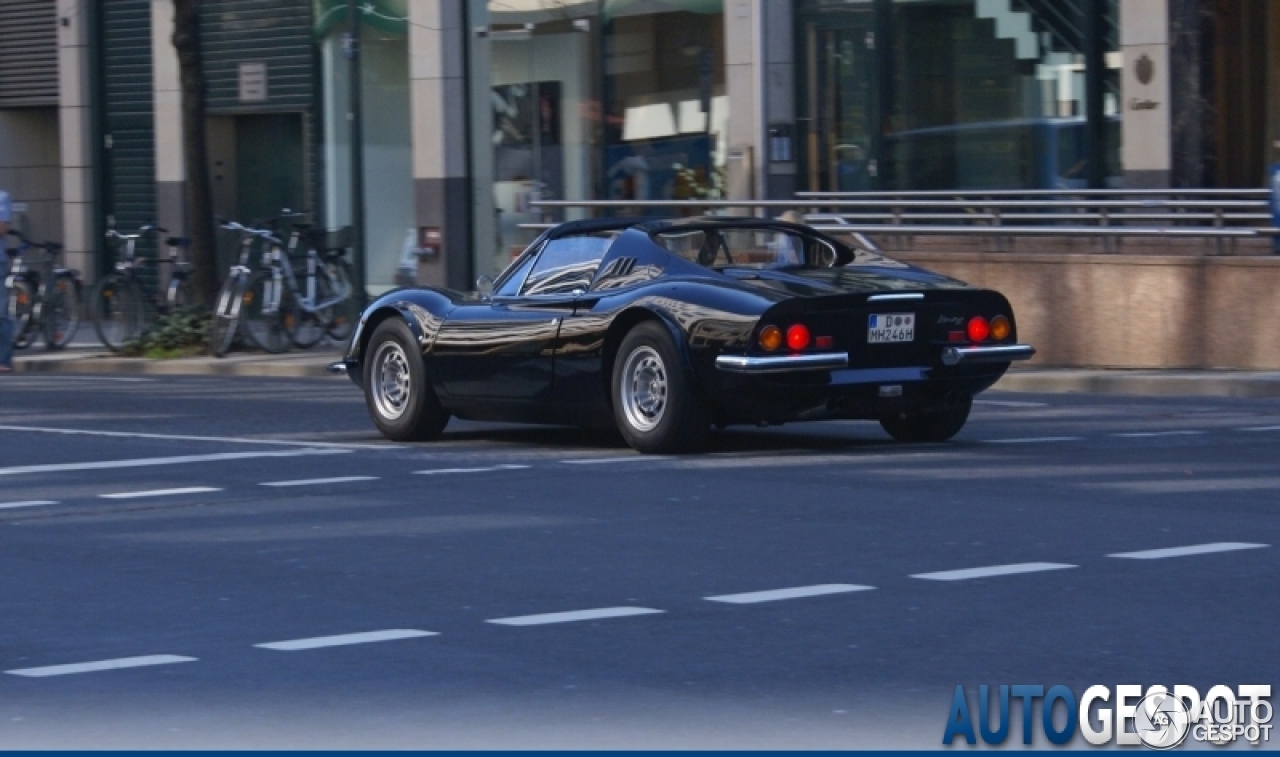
<point x="88" y="359"/>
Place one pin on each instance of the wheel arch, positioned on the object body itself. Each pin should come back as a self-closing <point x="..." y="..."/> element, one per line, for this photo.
<point x="618" y="330"/>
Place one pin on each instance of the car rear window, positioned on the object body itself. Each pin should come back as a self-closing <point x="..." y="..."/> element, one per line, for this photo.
<point x="746" y="248"/>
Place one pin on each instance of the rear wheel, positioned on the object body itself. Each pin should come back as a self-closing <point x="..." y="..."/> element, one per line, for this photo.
<point x="933" y="426"/>
<point x="22" y="303"/>
<point x="344" y="314"/>
<point x="266" y="311"/>
<point x="226" y="315"/>
<point x="401" y="401"/>
<point x="116" y="309"/>
<point x="61" y="315"/>
<point x="654" y="402"/>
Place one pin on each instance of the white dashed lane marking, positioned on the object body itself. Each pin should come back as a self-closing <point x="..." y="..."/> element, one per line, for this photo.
<point x="338" y="446"/>
<point x="628" y="459"/>
<point x="1262" y="428"/>
<point x="1150" y="434"/>
<point x="369" y="637"/>
<point x="1010" y="403"/>
<point x="148" y="462"/>
<point x="574" y="616"/>
<point x="1195" y="549"/>
<point x="32" y="503"/>
<point x="320" y="481"/>
<point x="799" y="592"/>
<point x="1192" y="486"/>
<point x="100" y="665"/>
<point x="992" y="571"/>
<point x="1036" y="440"/>
<point x="161" y="492"/>
<point x="486" y="469"/>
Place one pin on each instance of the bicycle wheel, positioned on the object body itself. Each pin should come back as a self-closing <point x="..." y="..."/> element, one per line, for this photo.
<point x="61" y="314"/>
<point x="226" y="315"/>
<point x="346" y="312"/>
<point x="265" y="326"/>
<point x="117" y="310"/>
<point x="22" y="303"/>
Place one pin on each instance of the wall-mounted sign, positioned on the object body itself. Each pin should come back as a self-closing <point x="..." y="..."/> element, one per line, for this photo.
<point x="253" y="82"/>
<point x="1145" y="69"/>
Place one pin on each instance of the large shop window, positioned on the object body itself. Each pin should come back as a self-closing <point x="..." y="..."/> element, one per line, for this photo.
<point x="951" y="94"/>
<point x="590" y="99"/>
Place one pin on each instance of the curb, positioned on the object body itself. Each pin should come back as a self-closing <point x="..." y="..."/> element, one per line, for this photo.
<point x="309" y="366"/>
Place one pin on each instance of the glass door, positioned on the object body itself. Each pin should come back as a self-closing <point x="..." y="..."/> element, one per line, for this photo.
<point x="838" y="82"/>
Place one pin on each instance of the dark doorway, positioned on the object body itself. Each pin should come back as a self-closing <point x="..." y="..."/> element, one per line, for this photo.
<point x="270" y="171"/>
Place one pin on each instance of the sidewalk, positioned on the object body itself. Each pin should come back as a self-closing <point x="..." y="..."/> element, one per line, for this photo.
<point x="314" y="364"/>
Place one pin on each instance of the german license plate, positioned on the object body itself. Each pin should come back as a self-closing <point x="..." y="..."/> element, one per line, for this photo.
<point x="894" y="327"/>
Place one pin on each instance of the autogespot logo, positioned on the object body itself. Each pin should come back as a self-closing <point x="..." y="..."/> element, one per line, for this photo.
<point x="1157" y="718"/>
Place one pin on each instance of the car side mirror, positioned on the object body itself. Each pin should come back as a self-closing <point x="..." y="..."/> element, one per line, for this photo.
<point x="484" y="285"/>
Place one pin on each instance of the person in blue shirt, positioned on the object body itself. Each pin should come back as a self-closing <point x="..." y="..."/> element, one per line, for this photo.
<point x="6" y="324"/>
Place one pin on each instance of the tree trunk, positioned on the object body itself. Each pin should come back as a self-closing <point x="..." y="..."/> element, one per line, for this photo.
<point x="195" y="149"/>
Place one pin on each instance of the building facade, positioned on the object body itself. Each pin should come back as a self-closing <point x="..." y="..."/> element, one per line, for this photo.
<point x="466" y="112"/>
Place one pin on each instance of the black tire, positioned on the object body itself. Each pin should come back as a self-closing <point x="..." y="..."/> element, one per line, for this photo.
<point x="305" y="329"/>
<point x="654" y="402"/>
<point x="268" y="331"/>
<point x="401" y="401"/>
<point x="226" y="315"/>
<point x="22" y="305"/>
<point x="117" y="310"/>
<point x="60" y="317"/>
<point x="934" y="426"/>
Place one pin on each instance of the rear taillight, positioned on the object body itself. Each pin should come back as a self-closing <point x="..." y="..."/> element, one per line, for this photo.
<point x="770" y="338"/>
<point x="1000" y="328"/>
<point x="798" y="337"/>
<point x="978" y="329"/>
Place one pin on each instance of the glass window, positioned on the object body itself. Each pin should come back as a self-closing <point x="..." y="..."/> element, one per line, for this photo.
<point x="510" y="285"/>
<point x="567" y="264"/>
<point x="746" y="248"/>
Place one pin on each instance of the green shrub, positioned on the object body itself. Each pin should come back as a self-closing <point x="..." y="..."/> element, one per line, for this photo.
<point x="181" y="333"/>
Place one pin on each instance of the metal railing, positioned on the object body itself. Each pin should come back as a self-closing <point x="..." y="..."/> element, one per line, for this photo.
<point x="1108" y="214"/>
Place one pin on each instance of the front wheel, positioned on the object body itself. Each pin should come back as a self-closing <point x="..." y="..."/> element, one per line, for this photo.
<point x="61" y="315"/>
<point x="22" y="304"/>
<point x="266" y="311"/>
<point x="654" y="402"/>
<point x="226" y="315"/>
<point x="933" y="426"/>
<point x="117" y="310"/>
<point x="401" y="401"/>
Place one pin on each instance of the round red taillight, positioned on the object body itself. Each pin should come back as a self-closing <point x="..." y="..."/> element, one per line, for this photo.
<point x="798" y="336"/>
<point x="978" y="330"/>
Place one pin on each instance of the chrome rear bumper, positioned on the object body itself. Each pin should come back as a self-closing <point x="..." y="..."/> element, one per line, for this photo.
<point x="822" y="361"/>
<point x="995" y="353"/>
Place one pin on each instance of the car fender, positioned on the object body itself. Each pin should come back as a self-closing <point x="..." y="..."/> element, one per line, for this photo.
<point x="422" y="310"/>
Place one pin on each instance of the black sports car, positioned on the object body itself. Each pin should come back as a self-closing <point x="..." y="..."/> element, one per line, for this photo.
<point x="667" y="327"/>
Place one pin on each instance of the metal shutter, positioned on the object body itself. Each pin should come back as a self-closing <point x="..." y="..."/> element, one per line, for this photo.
<point x="274" y="32"/>
<point x="28" y="53"/>
<point x="129" y="147"/>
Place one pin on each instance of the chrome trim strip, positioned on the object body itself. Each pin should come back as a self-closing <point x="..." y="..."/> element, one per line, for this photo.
<point x="338" y="369"/>
<point x="995" y="353"/>
<point x="903" y="296"/>
<point x="783" y="363"/>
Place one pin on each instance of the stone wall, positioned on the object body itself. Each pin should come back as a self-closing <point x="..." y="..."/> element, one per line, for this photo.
<point x="1132" y="311"/>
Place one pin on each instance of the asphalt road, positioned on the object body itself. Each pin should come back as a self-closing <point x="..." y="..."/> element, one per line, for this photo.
<point x="256" y="568"/>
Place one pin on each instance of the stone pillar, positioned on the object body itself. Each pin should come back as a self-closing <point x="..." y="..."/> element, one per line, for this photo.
<point x="760" y="81"/>
<point x="437" y="92"/>
<point x="1190" y="76"/>
<point x="1145" y="92"/>
<point x="167" y="117"/>
<point x="76" y="147"/>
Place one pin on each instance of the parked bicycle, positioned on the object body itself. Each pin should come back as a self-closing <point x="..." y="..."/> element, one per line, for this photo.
<point x="44" y="299"/>
<point x="310" y="293"/>
<point x="118" y="304"/>
<point x="235" y="293"/>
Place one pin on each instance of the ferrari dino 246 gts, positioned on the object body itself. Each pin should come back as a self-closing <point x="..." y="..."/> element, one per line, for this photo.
<point x="665" y="328"/>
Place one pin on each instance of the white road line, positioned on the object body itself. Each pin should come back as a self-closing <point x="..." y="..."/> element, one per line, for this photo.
<point x="575" y="615"/>
<point x="32" y="503"/>
<point x="798" y="592"/>
<point x="188" y="438"/>
<point x="627" y="459"/>
<point x="1195" y="549"/>
<point x="1010" y="403"/>
<point x="486" y="469"/>
<point x="1146" y="434"/>
<point x="45" y="377"/>
<point x="147" y="462"/>
<point x="100" y="665"/>
<point x="1260" y="428"/>
<point x="1191" y="486"/>
<point x="992" y="570"/>
<point x="161" y="492"/>
<point x="1035" y="440"/>
<point x="345" y="639"/>
<point x="318" y="481"/>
